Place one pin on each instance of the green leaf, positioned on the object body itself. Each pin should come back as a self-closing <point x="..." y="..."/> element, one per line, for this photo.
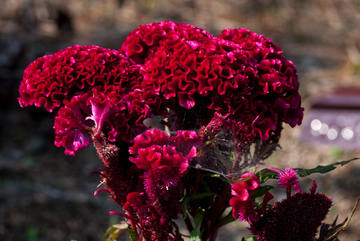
<point x="113" y="232"/>
<point x="321" y="169"/>
<point x="243" y="180"/>
<point x="197" y="196"/>
<point x="227" y="219"/>
<point x="253" y="238"/>
<point x="267" y="148"/>
<point x="266" y="174"/>
<point x="221" y="178"/>
<point x="196" y="233"/>
<point x="335" y="221"/>
<point x="260" y="191"/>
<point x="32" y="234"/>
<point x="133" y="235"/>
<point x="344" y="224"/>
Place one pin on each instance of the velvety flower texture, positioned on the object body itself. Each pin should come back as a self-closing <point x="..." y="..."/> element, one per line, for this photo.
<point x="96" y="90"/>
<point x="169" y="66"/>
<point x="53" y="79"/>
<point x="139" y="44"/>
<point x="239" y="73"/>
<point x="238" y="85"/>
<point x="297" y="217"/>
<point x="165" y="162"/>
<point x="97" y="113"/>
<point x="294" y="218"/>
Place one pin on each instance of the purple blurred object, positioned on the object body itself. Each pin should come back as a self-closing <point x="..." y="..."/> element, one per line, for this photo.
<point x="334" y="119"/>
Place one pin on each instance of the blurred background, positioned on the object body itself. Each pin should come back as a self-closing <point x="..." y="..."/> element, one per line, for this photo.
<point x="46" y="195"/>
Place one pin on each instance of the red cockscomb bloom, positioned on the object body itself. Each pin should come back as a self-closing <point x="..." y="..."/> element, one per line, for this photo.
<point x="141" y="41"/>
<point x="240" y="74"/>
<point x="53" y="79"/>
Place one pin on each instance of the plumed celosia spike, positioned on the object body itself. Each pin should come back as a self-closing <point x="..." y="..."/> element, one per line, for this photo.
<point x="287" y="179"/>
<point x="164" y="166"/>
<point x="295" y="218"/>
<point x="53" y="79"/>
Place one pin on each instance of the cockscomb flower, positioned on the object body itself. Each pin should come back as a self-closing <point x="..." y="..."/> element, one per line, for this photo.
<point x="244" y="77"/>
<point x="295" y="218"/>
<point x="137" y="46"/>
<point x="53" y="79"/>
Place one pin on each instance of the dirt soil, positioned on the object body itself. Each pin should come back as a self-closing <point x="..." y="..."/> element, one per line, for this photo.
<point x="46" y="195"/>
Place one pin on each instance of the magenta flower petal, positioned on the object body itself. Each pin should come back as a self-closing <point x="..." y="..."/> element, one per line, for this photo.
<point x="238" y="190"/>
<point x="74" y="141"/>
<point x="251" y="184"/>
<point x="133" y="198"/>
<point x="100" y="112"/>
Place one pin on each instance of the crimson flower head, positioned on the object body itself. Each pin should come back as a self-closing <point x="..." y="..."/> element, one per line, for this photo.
<point x="294" y="218"/>
<point x="54" y="79"/>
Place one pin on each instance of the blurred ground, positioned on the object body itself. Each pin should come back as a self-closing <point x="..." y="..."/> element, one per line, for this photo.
<point x="46" y="195"/>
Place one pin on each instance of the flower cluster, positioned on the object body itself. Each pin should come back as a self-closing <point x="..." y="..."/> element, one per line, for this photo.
<point x="238" y="73"/>
<point x="307" y="211"/>
<point x="216" y="96"/>
<point x="166" y="66"/>
<point x="295" y="218"/>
